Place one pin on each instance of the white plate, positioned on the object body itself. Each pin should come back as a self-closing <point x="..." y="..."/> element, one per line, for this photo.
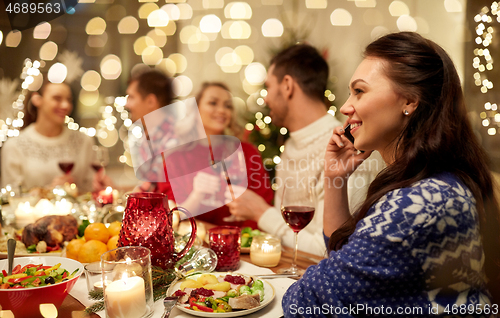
<point x="269" y="295"/>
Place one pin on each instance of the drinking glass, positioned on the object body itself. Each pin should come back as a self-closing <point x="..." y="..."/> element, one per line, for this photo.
<point x="225" y="241"/>
<point x="66" y="166"/>
<point x="128" y="289"/>
<point x="100" y="157"/>
<point x="297" y="208"/>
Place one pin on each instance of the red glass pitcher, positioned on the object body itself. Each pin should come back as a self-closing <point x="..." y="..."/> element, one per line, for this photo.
<point x="148" y="222"/>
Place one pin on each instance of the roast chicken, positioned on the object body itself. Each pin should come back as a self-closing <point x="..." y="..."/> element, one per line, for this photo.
<point x="53" y="229"/>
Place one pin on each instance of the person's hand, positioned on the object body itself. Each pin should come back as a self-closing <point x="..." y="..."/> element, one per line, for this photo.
<point x="237" y="191"/>
<point x="249" y="206"/>
<point x="101" y="181"/>
<point x="65" y="178"/>
<point x="206" y="183"/>
<point x="341" y="158"/>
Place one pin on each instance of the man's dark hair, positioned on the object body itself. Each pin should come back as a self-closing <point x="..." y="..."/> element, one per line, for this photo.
<point x="154" y="82"/>
<point x="304" y="63"/>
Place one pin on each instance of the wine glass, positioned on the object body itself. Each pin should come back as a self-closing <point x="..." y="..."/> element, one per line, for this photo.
<point x="297" y="208"/>
<point x="100" y="157"/>
<point x="66" y="166"/>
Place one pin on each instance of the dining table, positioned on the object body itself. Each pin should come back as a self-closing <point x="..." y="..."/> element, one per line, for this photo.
<point x="73" y="307"/>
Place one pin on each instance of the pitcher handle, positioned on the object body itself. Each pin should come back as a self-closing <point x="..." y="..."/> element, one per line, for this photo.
<point x="178" y="256"/>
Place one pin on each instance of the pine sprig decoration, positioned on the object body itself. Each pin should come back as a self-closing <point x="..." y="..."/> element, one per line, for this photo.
<point x="98" y="306"/>
<point x="96" y="294"/>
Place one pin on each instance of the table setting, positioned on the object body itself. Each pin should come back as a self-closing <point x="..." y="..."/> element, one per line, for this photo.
<point x="144" y="273"/>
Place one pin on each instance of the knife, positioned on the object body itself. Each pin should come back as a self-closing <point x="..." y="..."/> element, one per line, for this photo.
<point x="278" y="276"/>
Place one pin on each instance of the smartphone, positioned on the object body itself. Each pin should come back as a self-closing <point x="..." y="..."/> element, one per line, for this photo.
<point x="347" y="133"/>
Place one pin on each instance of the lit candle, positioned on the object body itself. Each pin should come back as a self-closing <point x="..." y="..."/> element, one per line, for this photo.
<point x="43" y="207"/>
<point x="265" y="251"/>
<point x="24" y="215"/>
<point x="63" y="207"/>
<point x="105" y="196"/>
<point x="99" y="285"/>
<point x="125" y="298"/>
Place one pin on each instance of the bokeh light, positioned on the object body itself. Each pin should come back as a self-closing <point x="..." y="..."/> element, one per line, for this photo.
<point x="152" y="55"/>
<point x="97" y="40"/>
<point x="199" y="43"/>
<point x="158" y="18"/>
<point x="210" y="24"/>
<point x="13" y="38"/>
<point x="180" y="61"/>
<point x="88" y="98"/>
<point x="167" y="66"/>
<point x="245" y="53"/>
<point x="236" y="30"/>
<point x="1" y="37"/>
<point x="238" y="11"/>
<point x="48" y="51"/>
<point x="111" y="67"/>
<point x="107" y="138"/>
<point x="341" y="17"/>
<point x="186" y="12"/>
<point x="128" y="25"/>
<point x="316" y="4"/>
<point x="255" y="73"/>
<point x="42" y="30"/>
<point x="173" y="11"/>
<point x="158" y="37"/>
<point x="272" y="28"/>
<point x="91" y="80"/>
<point x="146" y="9"/>
<point x="57" y="73"/>
<point x="398" y="8"/>
<point x="406" y="23"/>
<point x="142" y="43"/>
<point x="182" y="86"/>
<point x="95" y="26"/>
<point x="453" y="6"/>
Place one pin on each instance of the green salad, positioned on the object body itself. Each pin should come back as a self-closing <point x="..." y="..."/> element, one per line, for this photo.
<point x="247" y="235"/>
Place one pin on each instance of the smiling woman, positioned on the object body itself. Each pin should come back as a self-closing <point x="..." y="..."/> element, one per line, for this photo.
<point x="206" y="192"/>
<point x="47" y="153"/>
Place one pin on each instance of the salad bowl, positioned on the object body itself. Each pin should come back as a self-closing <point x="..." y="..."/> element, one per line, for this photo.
<point x="25" y="302"/>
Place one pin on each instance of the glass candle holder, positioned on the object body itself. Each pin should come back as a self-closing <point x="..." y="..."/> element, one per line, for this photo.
<point x="265" y="251"/>
<point x="225" y="242"/>
<point x="97" y="276"/>
<point x="129" y="292"/>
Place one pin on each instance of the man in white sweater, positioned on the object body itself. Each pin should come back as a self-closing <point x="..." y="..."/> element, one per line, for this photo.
<point x="296" y="82"/>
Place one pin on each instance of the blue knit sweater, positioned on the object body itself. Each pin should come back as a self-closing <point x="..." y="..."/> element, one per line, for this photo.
<point x="417" y="253"/>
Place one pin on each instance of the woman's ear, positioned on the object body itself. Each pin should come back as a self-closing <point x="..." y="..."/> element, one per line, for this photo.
<point x="36" y="99"/>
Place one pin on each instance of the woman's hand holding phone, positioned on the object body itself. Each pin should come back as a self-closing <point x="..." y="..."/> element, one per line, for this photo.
<point x="341" y="158"/>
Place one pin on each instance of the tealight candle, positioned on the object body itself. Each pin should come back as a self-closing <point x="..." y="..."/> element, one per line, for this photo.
<point x="105" y="196"/>
<point x="265" y="251"/>
<point x="125" y="298"/>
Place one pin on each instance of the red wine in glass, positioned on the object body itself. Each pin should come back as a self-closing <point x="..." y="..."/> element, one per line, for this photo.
<point x="96" y="167"/>
<point x="66" y="167"/>
<point x="297" y="217"/>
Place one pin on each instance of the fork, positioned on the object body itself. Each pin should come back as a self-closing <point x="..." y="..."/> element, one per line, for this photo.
<point x="169" y="303"/>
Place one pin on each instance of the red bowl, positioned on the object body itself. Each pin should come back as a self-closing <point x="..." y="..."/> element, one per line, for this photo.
<point x="25" y="302"/>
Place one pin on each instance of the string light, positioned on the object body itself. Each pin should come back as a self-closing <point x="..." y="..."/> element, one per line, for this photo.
<point x="483" y="63"/>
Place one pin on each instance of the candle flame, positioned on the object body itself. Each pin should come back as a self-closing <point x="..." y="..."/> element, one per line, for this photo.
<point x="267" y="248"/>
<point x="109" y="190"/>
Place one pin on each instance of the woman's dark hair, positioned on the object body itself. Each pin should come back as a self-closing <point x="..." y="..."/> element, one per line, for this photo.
<point x="437" y="138"/>
<point x="304" y="63"/>
<point x="234" y="128"/>
<point x="30" y="110"/>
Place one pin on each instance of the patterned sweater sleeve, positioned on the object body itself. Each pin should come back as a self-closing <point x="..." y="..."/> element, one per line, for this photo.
<point x="410" y="237"/>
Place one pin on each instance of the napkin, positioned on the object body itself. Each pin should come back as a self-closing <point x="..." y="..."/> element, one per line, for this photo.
<point x="272" y="310"/>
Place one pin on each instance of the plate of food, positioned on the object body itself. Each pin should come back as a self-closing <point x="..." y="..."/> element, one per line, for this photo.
<point x="222" y="294"/>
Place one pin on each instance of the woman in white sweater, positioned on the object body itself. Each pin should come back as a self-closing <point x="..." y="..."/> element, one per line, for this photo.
<point x="32" y="159"/>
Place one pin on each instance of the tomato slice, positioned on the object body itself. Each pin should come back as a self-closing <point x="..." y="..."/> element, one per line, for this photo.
<point x="16" y="270"/>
